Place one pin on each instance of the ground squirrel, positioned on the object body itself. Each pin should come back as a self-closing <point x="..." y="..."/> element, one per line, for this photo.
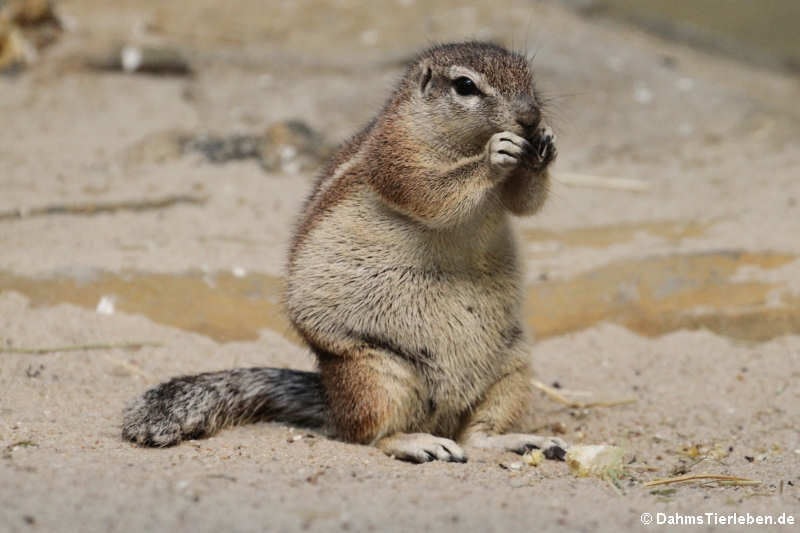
<point x="403" y="277"/>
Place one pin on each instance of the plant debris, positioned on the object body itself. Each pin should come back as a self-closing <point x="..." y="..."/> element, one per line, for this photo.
<point x="15" y="51"/>
<point x="560" y="398"/>
<point x="19" y="444"/>
<point x="94" y="208"/>
<point x="134" y="345"/>
<point x="729" y="480"/>
<point x="664" y="492"/>
<point x="26" y="26"/>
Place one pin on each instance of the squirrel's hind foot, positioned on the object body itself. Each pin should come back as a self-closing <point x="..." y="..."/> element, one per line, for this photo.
<point x="520" y="443"/>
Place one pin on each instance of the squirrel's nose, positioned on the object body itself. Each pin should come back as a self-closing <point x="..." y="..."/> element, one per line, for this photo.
<point x="527" y="114"/>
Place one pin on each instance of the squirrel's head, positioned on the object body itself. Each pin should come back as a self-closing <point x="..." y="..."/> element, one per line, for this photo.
<point x="459" y="95"/>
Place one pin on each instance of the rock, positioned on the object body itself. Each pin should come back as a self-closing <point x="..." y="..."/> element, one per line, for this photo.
<point x="224" y="149"/>
<point x="152" y="59"/>
<point x="158" y="147"/>
<point x="288" y="147"/>
<point x="292" y="147"/>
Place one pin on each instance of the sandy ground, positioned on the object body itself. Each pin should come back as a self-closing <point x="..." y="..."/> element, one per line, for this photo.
<point x="686" y="296"/>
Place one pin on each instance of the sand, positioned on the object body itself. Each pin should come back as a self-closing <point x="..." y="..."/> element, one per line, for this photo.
<point x="702" y="327"/>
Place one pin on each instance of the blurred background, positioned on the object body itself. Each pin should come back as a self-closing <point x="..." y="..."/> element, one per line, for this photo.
<point x="762" y="32"/>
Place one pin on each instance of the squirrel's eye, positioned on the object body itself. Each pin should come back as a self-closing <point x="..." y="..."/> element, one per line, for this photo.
<point x="465" y="86"/>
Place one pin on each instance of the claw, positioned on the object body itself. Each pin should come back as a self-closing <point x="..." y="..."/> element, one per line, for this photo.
<point x="421" y="448"/>
<point x="544" y="146"/>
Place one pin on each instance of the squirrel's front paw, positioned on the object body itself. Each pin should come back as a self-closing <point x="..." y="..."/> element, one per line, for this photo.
<point x="545" y="147"/>
<point x="421" y="448"/>
<point x="504" y="152"/>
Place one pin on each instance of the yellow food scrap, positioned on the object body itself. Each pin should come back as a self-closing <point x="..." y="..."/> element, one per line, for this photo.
<point x="718" y="453"/>
<point x="533" y="457"/>
<point x="596" y="460"/>
<point x="693" y="451"/>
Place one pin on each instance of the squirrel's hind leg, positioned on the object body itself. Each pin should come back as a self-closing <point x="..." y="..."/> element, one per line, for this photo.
<point x="376" y="398"/>
<point x="503" y="406"/>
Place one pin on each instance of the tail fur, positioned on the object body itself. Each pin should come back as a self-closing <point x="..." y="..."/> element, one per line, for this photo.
<point x="189" y="407"/>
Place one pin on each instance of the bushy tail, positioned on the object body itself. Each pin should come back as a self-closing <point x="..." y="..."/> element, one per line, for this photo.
<point x="189" y="407"/>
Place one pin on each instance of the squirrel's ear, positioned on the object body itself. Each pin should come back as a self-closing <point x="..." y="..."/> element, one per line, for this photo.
<point x="426" y="74"/>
